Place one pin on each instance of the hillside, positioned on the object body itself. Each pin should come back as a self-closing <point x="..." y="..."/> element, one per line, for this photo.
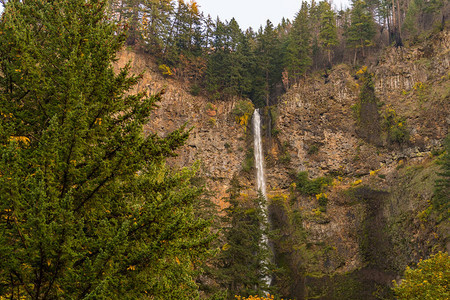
<point x="216" y="140"/>
<point x="148" y="151"/>
<point x="373" y="225"/>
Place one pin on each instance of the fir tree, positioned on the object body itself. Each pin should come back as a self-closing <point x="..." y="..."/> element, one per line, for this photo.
<point x="87" y="207"/>
<point x="298" y="56"/>
<point x="362" y="28"/>
<point x="328" y="32"/>
<point x="267" y="66"/>
<point x="242" y="263"/>
<point x="218" y="61"/>
<point x="156" y="24"/>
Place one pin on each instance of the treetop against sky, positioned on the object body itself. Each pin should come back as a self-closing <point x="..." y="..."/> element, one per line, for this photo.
<point x="253" y="13"/>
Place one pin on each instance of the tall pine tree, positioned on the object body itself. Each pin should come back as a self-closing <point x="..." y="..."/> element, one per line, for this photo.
<point x="298" y="56"/>
<point x="87" y="207"/>
<point x="361" y="31"/>
<point x="242" y="265"/>
<point x="328" y="32"/>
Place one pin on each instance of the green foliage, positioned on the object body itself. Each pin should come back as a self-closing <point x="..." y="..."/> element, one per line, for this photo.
<point x="243" y="262"/>
<point x="195" y="90"/>
<point x="227" y="66"/>
<point x="311" y="187"/>
<point x="358" y="284"/>
<point x="249" y="161"/>
<point x="212" y="122"/>
<point x="430" y="280"/>
<point x="293" y="256"/>
<point x="328" y="31"/>
<point x="368" y="116"/>
<point x="298" y="51"/>
<point x="273" y="116"/>
<point x="367" y="91"/>
<point x="361" y="31"/>
<point x="285" y="156"/>
<point x="322" y="199"/>
<point x="243" y="111"/>
<point x="411" y="19"/>
<point x="395" y="126"/>
<point x="243" y="107"/>
<point x="88" y="208"/>
<point x="228" y="147"/>
<point x="313" y="149"/>
<point x="227" y="61"/>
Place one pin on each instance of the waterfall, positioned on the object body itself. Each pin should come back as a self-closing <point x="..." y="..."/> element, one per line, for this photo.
<point x="260" y="178"/>
<point x="259" y="156"/>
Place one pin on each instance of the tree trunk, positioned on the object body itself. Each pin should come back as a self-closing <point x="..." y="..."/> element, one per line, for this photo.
<point x="389" y="29"/>
<point x="398" y="19"/>
<point x="394" y="24"/>
<point x="268" y="88"/>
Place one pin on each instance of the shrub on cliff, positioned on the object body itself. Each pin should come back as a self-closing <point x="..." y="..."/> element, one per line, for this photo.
<point x="395" y="126"/>
<point x="311" y="187"/>
<point x="243" y="110"/>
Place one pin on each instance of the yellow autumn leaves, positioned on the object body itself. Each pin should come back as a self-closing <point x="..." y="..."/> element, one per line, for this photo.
<point x="22" y="139"/>
<point x="268" y="297"/>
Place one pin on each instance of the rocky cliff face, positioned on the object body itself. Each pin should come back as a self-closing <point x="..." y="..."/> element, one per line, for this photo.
<point x="370" y="228"/>
<point x="380" y="186"/>
<point x="216" y="140"/>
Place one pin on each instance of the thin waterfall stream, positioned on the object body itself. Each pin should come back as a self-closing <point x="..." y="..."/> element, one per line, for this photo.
<point x="260" y="178"/>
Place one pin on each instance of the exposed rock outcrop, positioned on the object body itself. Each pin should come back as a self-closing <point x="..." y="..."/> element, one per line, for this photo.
<point x="379" y="185"/>
<point x="216" y="140"/>
<point x="379" y="188"/>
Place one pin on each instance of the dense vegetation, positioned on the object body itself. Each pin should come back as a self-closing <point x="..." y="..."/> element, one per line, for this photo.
<point x="243" y="265"/>
<point x="88" y="208"/>
<point x="225" y="61"/>
<point x="429" y="280"/>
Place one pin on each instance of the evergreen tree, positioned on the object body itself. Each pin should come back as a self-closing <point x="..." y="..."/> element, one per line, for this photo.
<point x="298" y="56"/>
<point x="362" y="28"/>
<point x="245" y="56"/>
<point x="242" y="263"/>
<point x="411" y="18"/>
<point x="328" y="32"/>
<point x="267" y="67"/>
<point x="234" y="58"/>
<point x="218" y="61"/>
<point x="129" y="13"/>
<point x="156" y="24"/>
<point x="228" y="69"/>
<point x="87" y="207"/>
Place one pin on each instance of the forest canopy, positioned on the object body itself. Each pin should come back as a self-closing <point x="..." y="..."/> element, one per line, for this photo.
<point x="224" y="60"/>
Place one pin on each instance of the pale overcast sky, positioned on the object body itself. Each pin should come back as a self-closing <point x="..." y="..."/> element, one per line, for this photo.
<point x="253" y="13"/>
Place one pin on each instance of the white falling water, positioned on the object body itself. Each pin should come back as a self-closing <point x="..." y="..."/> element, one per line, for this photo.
<point x="259" y="156"/>
<point x="260" y="178"/>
